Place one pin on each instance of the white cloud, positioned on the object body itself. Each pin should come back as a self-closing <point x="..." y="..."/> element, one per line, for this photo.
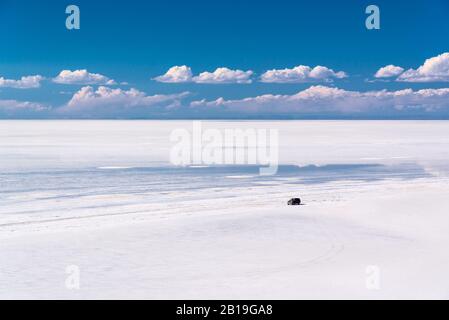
<point x="24" y="105"/>
<point x="109" y="102"/>
<point x="224" y="75"/>
<point x="22" y="109"/>
<point x="27" y="82"/>
<point x="176" y="74"/>
<point x="183" y="74"/>
<point x="327" y="101"/>
<point x="82" y="77"/>
<point x="435" y="69"/>
<point x="389" y="71"/>
<point x="301" y="74"/>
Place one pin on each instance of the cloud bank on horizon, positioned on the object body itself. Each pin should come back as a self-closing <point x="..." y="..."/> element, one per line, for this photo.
<point x="322" y="98"/>
<point x="334" y="101"/>
<point x="314" y="102"/>
<point x="106" y="103"/>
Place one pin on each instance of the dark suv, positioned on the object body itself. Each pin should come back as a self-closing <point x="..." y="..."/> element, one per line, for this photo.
<point x="294" y="202"/>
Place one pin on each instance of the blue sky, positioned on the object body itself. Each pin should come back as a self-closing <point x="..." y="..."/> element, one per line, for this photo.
<point x="135" y="42"/>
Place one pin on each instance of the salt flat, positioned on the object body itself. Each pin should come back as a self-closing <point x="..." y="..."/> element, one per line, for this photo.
<point x="101" y="195"/>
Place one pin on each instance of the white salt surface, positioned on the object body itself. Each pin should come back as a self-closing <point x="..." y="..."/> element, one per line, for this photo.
<point x="101" y="196"/>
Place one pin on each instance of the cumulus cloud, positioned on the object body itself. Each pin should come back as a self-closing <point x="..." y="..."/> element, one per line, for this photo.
<point x="389" y="71"/>
<point x="315" y="102"/>
<point x="21" y="109"/>
<point x="105" y="101"/>
<point x="224" y="75"/>
<point x="183" y="74"/>
<point x="27" y="82"/>
<point x="328" y="101"/>
<point x="301" y="74"/>
<point x="435" y="69"/>
<point x="176" y="74"/>
<point x="24" y="105"/>
<point x="82" y="77"/>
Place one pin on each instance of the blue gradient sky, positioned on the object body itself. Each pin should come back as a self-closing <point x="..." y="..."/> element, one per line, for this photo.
<point x="134" y="41"/>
